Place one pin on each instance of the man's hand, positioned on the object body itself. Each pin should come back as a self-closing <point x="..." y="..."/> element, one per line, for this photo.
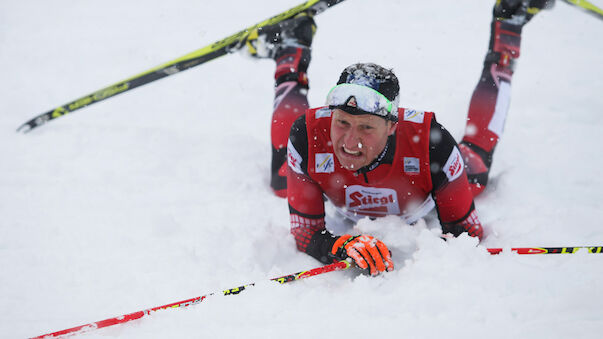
<point x="368" y="253"/>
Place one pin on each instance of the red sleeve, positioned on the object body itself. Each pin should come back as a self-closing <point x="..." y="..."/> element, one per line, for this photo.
<point x="454" y="200"/>
<point x="306" y="205"/>
<point x="304" y="195"/>
<point x="306" y="208"/>
<point x="456" y="209"/>
<point x="451" y="190"/>
<point x="307" y="212"/>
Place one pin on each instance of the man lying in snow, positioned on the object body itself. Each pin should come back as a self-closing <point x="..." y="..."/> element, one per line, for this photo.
<point x="371" y="158"/>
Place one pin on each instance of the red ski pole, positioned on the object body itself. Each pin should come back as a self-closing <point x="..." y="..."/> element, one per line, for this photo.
<point x="549" y="250"/>
<point x="341" y="265"/>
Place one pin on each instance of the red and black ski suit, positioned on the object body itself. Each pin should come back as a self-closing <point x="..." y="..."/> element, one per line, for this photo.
<point x="420" y="167"/>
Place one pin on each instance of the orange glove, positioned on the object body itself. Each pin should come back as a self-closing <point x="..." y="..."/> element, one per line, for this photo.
<point x="368" y="253"/>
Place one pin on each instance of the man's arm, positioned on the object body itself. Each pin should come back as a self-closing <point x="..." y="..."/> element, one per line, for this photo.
<point x="306" y="204"/>
<point x="451" y="190"/>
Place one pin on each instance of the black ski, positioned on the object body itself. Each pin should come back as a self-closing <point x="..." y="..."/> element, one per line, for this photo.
<point x="198" y="57"/>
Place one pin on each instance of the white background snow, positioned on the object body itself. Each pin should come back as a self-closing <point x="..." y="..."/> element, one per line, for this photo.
<point x="161" y="194"/>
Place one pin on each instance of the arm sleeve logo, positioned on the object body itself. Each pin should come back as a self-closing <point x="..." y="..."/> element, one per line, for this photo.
<point x="294" y="159"/>
<point x="454" y="166"/>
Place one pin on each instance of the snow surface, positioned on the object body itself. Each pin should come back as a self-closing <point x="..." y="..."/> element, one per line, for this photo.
<point x="161" y="194"/>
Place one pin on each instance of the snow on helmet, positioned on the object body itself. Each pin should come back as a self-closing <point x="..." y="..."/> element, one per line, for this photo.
<point x="366" y="88"/>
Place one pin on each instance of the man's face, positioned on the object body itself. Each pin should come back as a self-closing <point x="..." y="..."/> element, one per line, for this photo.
<point x="358" y="139"/>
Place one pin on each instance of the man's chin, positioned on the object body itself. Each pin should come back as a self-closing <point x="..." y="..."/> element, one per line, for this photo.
<point x="347" y="161"/>
<point x="351" y="166"/>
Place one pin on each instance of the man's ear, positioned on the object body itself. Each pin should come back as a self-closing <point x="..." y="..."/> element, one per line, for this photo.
<point x="392" y="128"/>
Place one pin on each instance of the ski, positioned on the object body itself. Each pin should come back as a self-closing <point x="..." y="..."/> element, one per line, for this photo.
<point x="338" y="266"/>
<point x="195" y="58"/>
<point x="587" y="6"/>
<point x="549" y="250"/>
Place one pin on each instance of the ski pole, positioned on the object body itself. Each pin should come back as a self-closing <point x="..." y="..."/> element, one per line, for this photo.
<point x="195" y="58"/>
<point x="587" y="7"/>
<point x="548" y="250"/>
<point x="338" y="266"/>
<point x="341" y="265"/>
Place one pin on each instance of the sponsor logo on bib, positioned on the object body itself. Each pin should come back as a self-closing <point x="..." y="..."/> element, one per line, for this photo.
<point x="324" y="112"/>
<point x="414" y="116"/>
<point x="371" y="200"/>
<point x="411" y="165"/>
<point x="324" y="163"/>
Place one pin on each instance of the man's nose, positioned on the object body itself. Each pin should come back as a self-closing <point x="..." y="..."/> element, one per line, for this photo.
<point x="352" y="139"/>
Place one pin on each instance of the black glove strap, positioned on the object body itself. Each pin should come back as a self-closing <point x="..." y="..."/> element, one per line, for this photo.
<point x="320" y="246"/>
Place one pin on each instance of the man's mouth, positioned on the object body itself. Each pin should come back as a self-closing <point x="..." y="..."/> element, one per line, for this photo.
<point x="350" y="152"/>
